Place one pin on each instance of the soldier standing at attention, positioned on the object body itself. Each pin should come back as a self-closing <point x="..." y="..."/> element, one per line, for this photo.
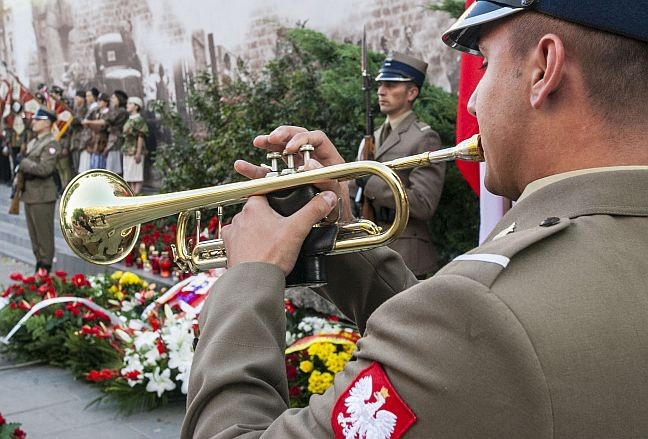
<point x="39" y="191"/>
<point x="399" y="83"/>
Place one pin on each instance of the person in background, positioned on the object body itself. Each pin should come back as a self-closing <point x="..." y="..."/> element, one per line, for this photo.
<point x="400" y="80"/>
<point x="99" y="130"/>
<point x="135" y="132"/>
<point x="39" y="189"/>
<point x="77" y="144"/>
<point x="87" y="138"/>
<point x="115" y="120"/>
<point x="92" y="96"/>
<point x="64" y="161"/>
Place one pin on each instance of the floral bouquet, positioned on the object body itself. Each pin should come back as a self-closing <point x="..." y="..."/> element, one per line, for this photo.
<point x="319" y="347"/>
<point x="136" y="343"/>
<point x="10" y="430"/>
<point x="155" y="362"/>
<point x="69" y="322"/>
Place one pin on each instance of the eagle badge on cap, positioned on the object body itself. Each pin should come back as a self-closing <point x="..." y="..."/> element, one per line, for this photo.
<point x="52" y="150"/>
<point x="371" y="408"/>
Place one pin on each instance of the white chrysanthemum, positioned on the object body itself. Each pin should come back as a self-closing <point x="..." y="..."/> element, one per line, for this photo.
<point x="159" y="382"/>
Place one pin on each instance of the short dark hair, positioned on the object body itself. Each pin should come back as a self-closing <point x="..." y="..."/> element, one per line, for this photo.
<point x="615" y="66"/>
<point x="121" y="96"/>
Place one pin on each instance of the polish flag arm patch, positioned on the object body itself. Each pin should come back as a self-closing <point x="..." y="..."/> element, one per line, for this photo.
<point x="370" y="408"/>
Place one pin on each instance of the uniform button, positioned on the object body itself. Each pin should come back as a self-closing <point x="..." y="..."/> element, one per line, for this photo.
<point x="551" y="221"/>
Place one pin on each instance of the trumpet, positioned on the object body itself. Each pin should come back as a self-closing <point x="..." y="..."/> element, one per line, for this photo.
<point x="100" y="218"/>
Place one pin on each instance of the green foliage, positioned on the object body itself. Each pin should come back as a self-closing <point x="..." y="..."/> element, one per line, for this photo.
<point x="453" y="7"/>
<point x="315" y="83"/>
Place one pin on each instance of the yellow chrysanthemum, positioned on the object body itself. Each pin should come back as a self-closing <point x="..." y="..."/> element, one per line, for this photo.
<point x="349" y="349"/>
<point x="321" y="350"/>
<point x="130" y="279"/>
<point x="335" y="363"/>
<point x="318" y="382"/>
<point x="306" y="366"/>
<point x="119" y="295"/>
<point x="116" y="275"/>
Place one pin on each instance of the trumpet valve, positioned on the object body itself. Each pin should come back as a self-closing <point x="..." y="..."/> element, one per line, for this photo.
<point x="306" y="151"/>
<point x="290" y="164"/>
<point x="274" y="158"/>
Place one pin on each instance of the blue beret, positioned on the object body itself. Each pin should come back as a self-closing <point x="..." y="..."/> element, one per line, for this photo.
<point x="621" y="17"/>
<point x="402" y="68"/>
<point x="45" y="114"/>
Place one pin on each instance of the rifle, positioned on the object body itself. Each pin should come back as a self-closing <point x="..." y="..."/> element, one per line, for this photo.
<point x="369" y="148"/>
<point x="14" y="208"/>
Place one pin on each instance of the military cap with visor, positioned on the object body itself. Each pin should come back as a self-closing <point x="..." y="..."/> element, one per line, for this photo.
<point x="45" y="114"/>
<point x="622" y="17"/>
<point x="400" y="67"/>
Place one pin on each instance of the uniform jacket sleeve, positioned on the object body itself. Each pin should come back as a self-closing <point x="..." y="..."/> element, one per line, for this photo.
<point x="423" y="185"/>
<point x="453" y="352"/>
<point x="45" y="165"/>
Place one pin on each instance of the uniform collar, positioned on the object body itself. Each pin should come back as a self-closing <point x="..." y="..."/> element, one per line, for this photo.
<point x="542" y="182"/>
<point x="620" y="192"/>
<point x="395" y="122"/>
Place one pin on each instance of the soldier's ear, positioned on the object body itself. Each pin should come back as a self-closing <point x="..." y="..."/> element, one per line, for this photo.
<point x="547" y="69"/>
<point x="412" y="93"/>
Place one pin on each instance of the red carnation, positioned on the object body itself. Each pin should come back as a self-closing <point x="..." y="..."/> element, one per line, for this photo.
<point x="19" y="434"/>
<point x="59" y="313"/>
<point x="3" y="421"/>
<point x="80" y="280"/>
<point x="291" y="372"/>
<point x="61" y="273"/>
<point x="160" y="346"/>
<point x="16" y="276"/>
<point x="132" y="375"/>
<point x="29" y="280"/>
<point x="294" y="391"/>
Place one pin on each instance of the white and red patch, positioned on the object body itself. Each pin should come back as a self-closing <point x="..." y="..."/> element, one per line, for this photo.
<point x="371" y="408"/>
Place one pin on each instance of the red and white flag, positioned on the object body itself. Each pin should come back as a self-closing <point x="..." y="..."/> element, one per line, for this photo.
<point x="63" y="116"/>
<point x="491" y="207"/>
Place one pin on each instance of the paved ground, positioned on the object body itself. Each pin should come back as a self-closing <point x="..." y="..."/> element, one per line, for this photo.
<point x="51" y="404"/>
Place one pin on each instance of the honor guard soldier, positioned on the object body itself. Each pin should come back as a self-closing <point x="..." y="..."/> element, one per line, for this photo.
<point x="39" y="189"/>
<point x="539" y="333"/>
<point x="400" y="80"/>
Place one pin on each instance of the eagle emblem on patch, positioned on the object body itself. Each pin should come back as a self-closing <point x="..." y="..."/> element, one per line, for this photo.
<point x="52" y="150"/>
<point x="370" y="408"/>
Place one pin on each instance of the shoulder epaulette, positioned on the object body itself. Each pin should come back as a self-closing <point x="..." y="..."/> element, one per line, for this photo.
<point x="485" y="263"/>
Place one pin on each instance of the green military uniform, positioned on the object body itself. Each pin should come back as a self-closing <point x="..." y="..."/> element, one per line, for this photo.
<point x="541" y="332"/>
<point x="134" y="128"/>
<point x="422" y="185"/>
<point x="39" y="196"/>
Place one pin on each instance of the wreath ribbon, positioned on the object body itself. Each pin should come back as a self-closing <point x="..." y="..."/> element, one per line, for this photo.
<point x="47" y="302"/>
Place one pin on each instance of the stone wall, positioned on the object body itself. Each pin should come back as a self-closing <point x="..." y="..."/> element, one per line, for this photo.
<point x="66" y="32"/>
